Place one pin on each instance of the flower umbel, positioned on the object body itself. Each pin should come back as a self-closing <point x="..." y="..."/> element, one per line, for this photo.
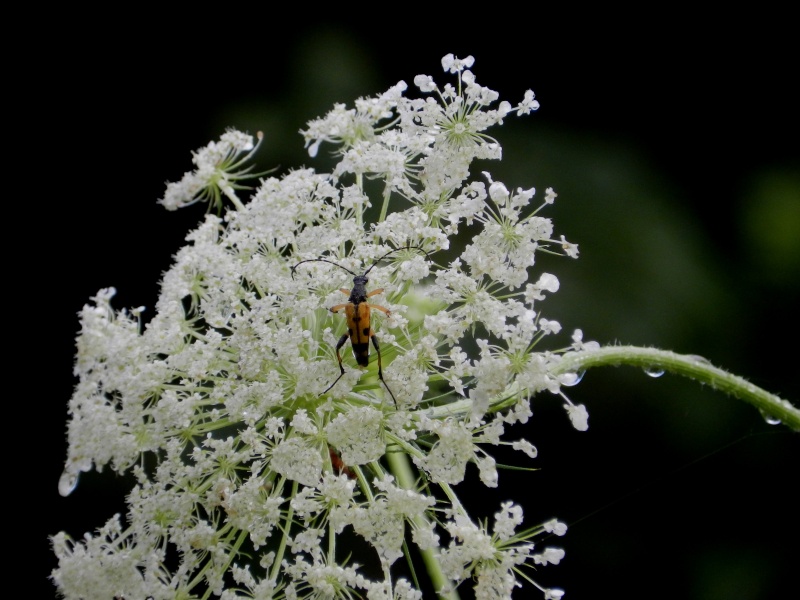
<point x="250" y="465"/>
<point x="216" y="174"/>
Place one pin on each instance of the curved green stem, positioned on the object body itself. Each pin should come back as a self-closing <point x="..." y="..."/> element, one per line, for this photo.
<point x="772" y="407"/>
<point x="695" y="367"/>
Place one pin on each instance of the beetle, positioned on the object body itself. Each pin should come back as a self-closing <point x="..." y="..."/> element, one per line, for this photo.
<point x="339" y="465"/>
<point x="358" y="313"/>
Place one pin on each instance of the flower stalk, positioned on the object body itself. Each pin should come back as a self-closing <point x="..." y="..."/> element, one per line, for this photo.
<point x="654" y="362"/>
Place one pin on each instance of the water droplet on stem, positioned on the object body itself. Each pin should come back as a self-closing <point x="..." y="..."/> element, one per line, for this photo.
<point x="770" y="419"/>
<point x="570" y="379"/>
<point x="67" y="483"/>
<point x="653" y="371"/>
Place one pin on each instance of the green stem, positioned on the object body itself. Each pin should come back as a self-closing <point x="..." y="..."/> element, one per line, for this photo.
<point x="232" y="555"/>
<point x="695" y="367"/>
<point x="286" y="532"/>
<point x="772" y="407"/>
<point x="231" y="195"/>
<point x="401" y="469"/>
<point x="359" y="208"/>
<point x="385" y="205"/>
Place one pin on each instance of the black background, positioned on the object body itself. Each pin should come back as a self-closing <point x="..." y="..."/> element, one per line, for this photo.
<point x="672" y="142"/>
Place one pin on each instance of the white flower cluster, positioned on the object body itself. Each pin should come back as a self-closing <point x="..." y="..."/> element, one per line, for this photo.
<point x="215" y="174"/>
<point x="251" y="458"/>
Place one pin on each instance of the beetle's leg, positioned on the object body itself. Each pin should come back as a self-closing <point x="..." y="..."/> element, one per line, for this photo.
<point x="387" y="312"/>
<point x="339" y="345"/>
<point x="383" y="309"/>
<point x="373" y="292"/>
<point x="380" y="371"/>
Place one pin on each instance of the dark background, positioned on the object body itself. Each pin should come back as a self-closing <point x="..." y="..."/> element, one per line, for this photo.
<point x="672" y="144"/>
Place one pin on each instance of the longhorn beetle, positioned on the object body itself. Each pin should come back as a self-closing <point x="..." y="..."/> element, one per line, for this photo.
<point x="338" y="464"/>
<point x="357" y="310"/>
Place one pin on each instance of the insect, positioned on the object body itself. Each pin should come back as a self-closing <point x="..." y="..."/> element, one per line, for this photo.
<point x="358" y="313"/>
<point x="339" y="465"/>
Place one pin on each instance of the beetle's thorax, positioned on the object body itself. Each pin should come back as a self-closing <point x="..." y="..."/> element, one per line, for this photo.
<point x="359" y="292"/>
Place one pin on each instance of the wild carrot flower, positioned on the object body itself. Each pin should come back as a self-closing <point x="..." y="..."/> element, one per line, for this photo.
<point x="250" y="465"/>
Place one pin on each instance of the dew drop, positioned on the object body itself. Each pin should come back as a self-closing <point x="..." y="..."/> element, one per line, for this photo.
<point x="654" y="372"/>
<point x="570" y="379"/>
<point x="770" y="419"/>
<point x="697" y="359"/>
<point x="67" y="483"/>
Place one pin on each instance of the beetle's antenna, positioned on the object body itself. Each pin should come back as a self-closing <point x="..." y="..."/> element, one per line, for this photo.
<point x="377" y="260"/>
<point x="321" y="260"/>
